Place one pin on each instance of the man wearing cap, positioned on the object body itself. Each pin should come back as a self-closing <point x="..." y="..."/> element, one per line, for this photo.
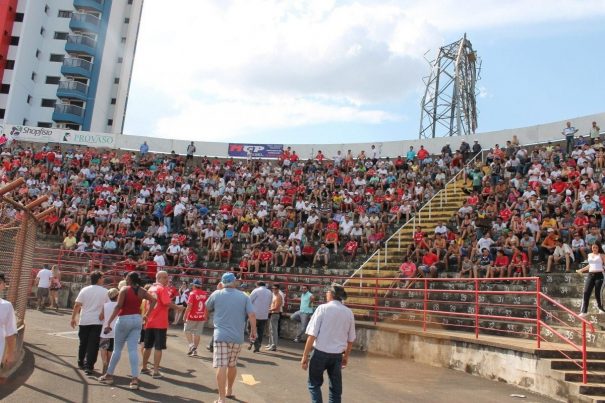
<point x="331" y="333"/>
<point x="195" y="316"/>
<point x="261" y="299"/>
<point x="230" y="307"/>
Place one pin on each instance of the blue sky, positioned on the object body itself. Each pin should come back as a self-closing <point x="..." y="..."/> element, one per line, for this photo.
<point x="326" y="71"/>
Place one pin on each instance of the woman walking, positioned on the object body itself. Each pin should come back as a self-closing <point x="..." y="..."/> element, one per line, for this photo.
<point x="55" y="286"/>
<point x="128" y="327"/>
<point x="594" y="280"/>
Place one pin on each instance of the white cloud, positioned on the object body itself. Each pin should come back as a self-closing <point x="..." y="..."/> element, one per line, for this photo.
<point x="241" y="66"/>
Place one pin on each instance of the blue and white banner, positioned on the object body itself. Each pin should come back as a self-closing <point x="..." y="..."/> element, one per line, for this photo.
<point x="46" y="135"/>
<point x="255" y="150"/>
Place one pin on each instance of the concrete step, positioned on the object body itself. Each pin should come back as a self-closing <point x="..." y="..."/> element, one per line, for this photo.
<point x="593" y="376"/>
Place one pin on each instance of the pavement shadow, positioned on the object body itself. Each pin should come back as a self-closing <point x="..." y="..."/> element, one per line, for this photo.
<point x="255" y="361"/>
<point x="20" y="376"/>
<point x="185" y="374"/>
<point x="150" y="396"/>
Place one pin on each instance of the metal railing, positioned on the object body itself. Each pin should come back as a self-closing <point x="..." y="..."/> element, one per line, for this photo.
<point x="69" y="109"/>
<point x="77" y="62"/>
<point x="82" y="40"/>
<point x="73" y="86"/>
<point x="86" y="18"/>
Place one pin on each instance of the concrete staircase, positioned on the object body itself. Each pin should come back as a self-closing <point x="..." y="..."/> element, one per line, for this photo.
<point x="385" y="262"/>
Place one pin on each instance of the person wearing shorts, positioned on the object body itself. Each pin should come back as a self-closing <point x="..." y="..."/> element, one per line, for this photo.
<point x="231" y="307"/>
<point x="107" y="339"/>
<point x="156" y="324"/>
<point x="195" y="316"/>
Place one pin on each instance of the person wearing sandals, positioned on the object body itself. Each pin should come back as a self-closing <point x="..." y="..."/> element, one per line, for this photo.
<point x="594" y="280"/>
<point x="55" y="286"/>
<point x="156" y="323"/>
<point x="230" y="307"/>
<point x="107" y="339"/>
<point x="128" y="328"/>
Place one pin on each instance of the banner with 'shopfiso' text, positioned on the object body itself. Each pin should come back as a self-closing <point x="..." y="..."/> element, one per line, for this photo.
<point x="62" y="136"/>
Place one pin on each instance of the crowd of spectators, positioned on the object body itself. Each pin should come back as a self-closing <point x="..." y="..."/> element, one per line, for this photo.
<point x="166" y="211"/>
<point x="543" y="204"/>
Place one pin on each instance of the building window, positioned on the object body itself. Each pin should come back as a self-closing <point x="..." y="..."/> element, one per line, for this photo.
<point x="52" y="79"/>
<point x="34" y="75"/>
<point x="19" y="17"/>
<point x="55" y="57"/>
<point x="2" y="112"/>
<point x="64" y="14"/>
<point x="109" y="122"/>
<point x="10" y="64"/>
<point x="45" y="124"/>
<point x="71" y="126"/>
<point x="38" y="53"/>
<point x="14" y="40"/>
<point x="113" y="101"/>
<point x="42" y="31"/>
<point x="116" y="80"/>
<point x="48" y="103"/>
<point x="120" y="59"/>
<point x="29" y="100"/>
<point x="61" y="35"/>
<point x="25" y="122"/>
<point x="126" y="20"/>
<point x="46" y="9"/>
<point x="5" y="88"/>
<point x="129" y="1"/>
<point x="123" y="39"/>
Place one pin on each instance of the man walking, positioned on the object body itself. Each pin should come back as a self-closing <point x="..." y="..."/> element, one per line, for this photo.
<point x="8" y="330"/>
<point x="261" y="299"/>
<point x="89" y="304"/>
<point x="156" y="324"/>
<point x="331" y="333"/>
<point x="230" y="307"/>
<point x="43" y="283"/>
<point x="304" y="312"/>
<point x="195" y="316"/>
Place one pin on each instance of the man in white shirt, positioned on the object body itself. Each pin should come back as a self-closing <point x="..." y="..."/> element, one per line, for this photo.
<point x="8" y="330"/>
<point x="261" y="299"/>
<point x="89" y="305"/>
<point x="160" y="260"/>
<point x="331" y="333"/>
<point x="43" y="283"/>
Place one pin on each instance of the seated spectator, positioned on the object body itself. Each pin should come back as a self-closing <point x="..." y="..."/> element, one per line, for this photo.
<point x="322" y="253"/>
<point x="428" y="267"/>
<point x="499" y="266"/>
<point x="519" y="263"/>
<point x="562" y="251"/>
<point x="350" y="250"/>
<point x="70" y="242"/>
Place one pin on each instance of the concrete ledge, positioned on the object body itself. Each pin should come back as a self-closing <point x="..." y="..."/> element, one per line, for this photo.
<point x="503" y="359"/>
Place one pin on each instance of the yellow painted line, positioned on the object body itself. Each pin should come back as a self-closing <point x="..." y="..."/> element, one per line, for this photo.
<point x="248" y="379"/>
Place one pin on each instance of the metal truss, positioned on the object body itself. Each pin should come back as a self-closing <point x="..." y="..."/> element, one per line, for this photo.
<point x="449" y="104"/>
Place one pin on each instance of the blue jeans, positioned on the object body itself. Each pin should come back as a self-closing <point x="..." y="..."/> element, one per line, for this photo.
<point x="318" y="363"/>
<point x="303" y="318"/>
<point x="127" y="331"/>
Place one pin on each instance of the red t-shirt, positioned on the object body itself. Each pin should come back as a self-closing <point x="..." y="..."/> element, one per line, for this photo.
<point x="197" y="302"/>
<point x="430" y="259"/>
<point x="419" y="237"/>
<point x="501" y="261"/>
<point x="158" y="317"/>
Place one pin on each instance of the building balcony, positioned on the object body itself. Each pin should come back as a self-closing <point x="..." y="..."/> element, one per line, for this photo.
<point x="74" y="66"/>
<point x="84" y="22"/>
<point x="68" y="113"/>
<point x="81" y="44"/>
<point x="96" y="5"/>
<point x="72" y="89"/>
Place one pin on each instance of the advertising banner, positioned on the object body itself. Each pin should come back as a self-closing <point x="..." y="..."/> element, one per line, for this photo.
<point x="255" y="150"/>
<point x="45" y="135"/>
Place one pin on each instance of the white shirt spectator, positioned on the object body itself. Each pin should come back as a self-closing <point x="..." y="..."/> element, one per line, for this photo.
<point x="44" y="276"/>
<point x="441" y="229"/>
<point x="160" y="261"/>
<point x="92" y="298"/>
<point x="8" y="324"/>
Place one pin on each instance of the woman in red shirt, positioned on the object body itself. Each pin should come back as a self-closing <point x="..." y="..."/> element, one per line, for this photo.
<point x="127" y="328"/>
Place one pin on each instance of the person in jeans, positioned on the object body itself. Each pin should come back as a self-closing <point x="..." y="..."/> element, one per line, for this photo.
<point x="89" y="303"/>
<point x="274" y="315"/>
<point x="128" y="327"/>
<point x="331" y="333"/>
<point x="304" y="313"/>
<point x="261" y="299"/>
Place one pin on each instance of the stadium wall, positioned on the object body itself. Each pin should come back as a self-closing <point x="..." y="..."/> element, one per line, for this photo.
<point x="526" y="135"/>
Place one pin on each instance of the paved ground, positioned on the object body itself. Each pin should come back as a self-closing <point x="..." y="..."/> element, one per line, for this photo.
<point x="49" y="374"/>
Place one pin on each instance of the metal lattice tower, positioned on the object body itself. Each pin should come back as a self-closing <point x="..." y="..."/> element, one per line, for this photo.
<point x="449" y="106"/>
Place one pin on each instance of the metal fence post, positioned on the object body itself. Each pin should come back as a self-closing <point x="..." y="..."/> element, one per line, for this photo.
<point x="476" y="308"/>
<point x="426" y="303"/>
<point x="538" y="311"/>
